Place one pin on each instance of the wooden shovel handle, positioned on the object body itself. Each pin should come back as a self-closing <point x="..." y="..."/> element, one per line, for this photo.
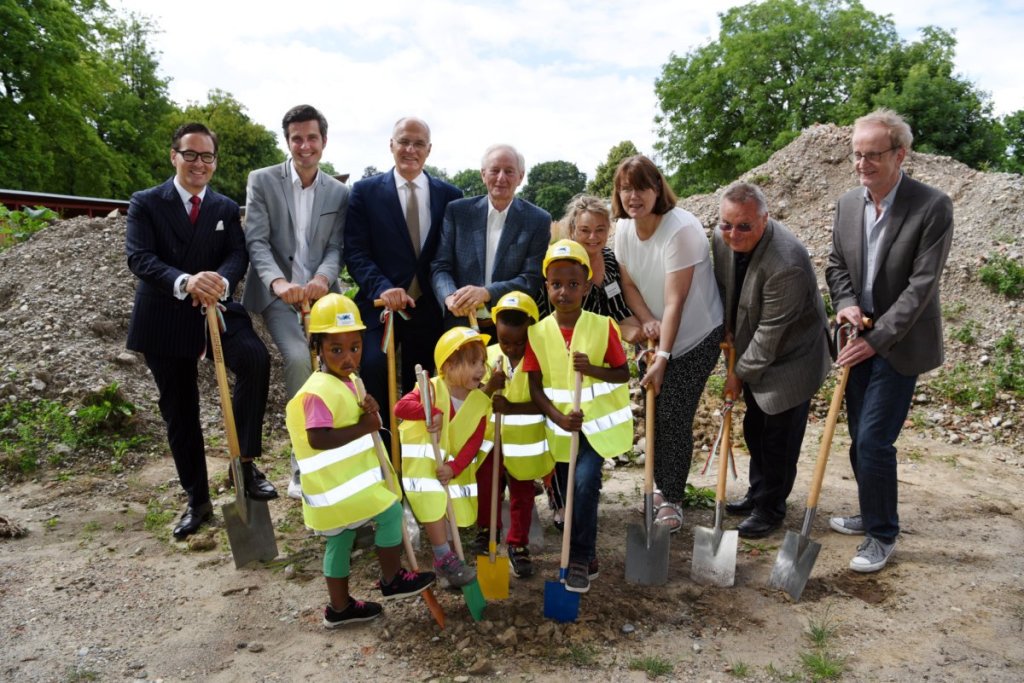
<point x="396" y="458"/>
<point x="574" y="450"/>
<point x="495" y="477"/>
<point x="212" y="322"/>
<point x="651" y="397"/>
<point x="726" y="441"/>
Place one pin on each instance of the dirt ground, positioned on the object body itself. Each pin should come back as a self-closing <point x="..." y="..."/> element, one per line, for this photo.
<point x="90" y="594"/>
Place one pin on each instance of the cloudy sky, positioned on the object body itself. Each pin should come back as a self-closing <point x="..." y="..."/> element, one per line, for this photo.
<point x="559" y="79"/>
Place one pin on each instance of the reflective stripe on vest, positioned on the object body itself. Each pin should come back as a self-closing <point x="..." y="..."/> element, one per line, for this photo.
<point x="524" y="444"/>
<point x="341" y="486"/>
<point x="419" y="468"/>
<point x="608" y="421"/>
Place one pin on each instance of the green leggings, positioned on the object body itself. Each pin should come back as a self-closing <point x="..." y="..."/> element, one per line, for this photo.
<point x="338" y="554"/>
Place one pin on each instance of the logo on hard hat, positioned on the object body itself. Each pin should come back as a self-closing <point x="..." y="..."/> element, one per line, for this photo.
<point x="561" y="250"/>
<point x="345" y="320"/>
<point x="512" y="301"/>
<point x="468" y="333"/>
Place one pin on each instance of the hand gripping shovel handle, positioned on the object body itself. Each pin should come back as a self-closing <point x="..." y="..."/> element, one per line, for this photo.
<point x="396" y="460"/>
<point x="234" y="450"/>
<point x="389" y="480"/>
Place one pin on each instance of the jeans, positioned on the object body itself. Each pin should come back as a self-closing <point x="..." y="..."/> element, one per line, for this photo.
<point x="586" y="494"/>
<point x="877" y="402"/>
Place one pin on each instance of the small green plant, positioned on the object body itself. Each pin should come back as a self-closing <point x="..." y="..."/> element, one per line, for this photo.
<point x="821" y="632"/>
<point x="694" y="497"/>
<point x="119" y="527"/>
<point x="582" y="655"/>
<point x="75" y="674"/>
<point x="106" y="410"/>
<point x="157" y="518"/>
<point x="18" y="226"/>
<point x="1003" y="275"/>
<point x="821" y="665"/>
<point x="653" y="666"/>
<point x="953" y="311"/>
<point x="715" y="385"/>
<point x="739" y="669"/>
<point x="965" y="334"/>
<point x="966" y="385"/>
<point x="52" y="523"/>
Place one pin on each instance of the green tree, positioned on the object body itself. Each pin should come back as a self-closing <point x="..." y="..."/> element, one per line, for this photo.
<point x="51" y="90"/>
<point x="136" y="110"/>
<point x="435" y="172"/>
<point x="1014" y="127"/>
<point x="550" y="184"/>
<point x="603" y="183"/>
<point x="947" y="113"/>
<point x="369" y="172"/>
<point x="777" y="67"/>
<point x="469" y="181"/>
<point x="244" y="144"/>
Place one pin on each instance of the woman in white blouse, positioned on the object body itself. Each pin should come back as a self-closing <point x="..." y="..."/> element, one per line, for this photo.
<point x="669" y="284"/>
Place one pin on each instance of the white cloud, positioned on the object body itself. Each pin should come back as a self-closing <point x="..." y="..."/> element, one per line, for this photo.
<point x="560" y="79"/>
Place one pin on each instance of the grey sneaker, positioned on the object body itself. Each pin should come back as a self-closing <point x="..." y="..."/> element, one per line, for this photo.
<point x="454" y="570"/>
<point x="577" y="579"/>
<point x="851" y="526"/>
<point x="871" y="555"/>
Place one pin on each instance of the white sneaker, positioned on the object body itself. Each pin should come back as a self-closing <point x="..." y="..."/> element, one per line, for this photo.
<point x="851" y="526"/>
<point x="294" y="490"/>
<point x="871" y="555"/>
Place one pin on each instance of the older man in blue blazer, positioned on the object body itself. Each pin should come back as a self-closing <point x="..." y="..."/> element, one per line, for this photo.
<point x="490" y="245"/>
<point x="391" y="236"/>
<point x="185" y="245"/>
<point x="294" y="216"/>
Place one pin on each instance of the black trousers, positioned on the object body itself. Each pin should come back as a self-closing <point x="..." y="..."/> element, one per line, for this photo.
<point x="774" y="443"/>
<point x="177" y="381"/>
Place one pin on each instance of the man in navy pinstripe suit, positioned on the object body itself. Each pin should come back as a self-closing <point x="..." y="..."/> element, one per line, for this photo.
<point x="490" y="245"/>
<point x="185" y="244"/>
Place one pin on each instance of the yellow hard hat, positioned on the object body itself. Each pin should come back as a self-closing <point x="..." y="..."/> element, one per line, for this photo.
<point x="516" y="301"/>
<point x="453" y="340"/>
<point x="335" y="313"/>
<point x="567" y="250"/>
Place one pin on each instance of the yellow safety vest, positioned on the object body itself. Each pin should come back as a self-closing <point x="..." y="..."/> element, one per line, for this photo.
<point x="424" y="492"/>
<point x="340" y="486"/>
<point x="523" y="441"/>
<point x="607" y="418"/>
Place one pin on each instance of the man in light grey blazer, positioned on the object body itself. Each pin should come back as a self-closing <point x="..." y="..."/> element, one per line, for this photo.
<point x="490" y="245"/>
<point x="294" y="216"/>
<point x="890" y="240"/>
<point x="776" y="318"/>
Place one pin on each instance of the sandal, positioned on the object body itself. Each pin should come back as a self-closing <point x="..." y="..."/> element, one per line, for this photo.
<point x="659" y="500"/>
<point x="673" y="521"/>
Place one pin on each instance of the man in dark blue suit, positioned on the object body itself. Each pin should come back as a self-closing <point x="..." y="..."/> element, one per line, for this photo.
<point x="391" y="235"/>
<point x="490" y="245"/>
<point x="185" y="244"/>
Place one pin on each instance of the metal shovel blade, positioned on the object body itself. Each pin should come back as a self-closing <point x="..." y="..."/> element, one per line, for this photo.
<point x="794" y="563"/>
<point x="647" y="555"/>
<point x="474" y="598"/>
<point x="714" y="556"/>
<point x="237" y="481"/>
<point x="560" y="604"/>
<point x="493" y="575"/>
<point x="250" y="531"/>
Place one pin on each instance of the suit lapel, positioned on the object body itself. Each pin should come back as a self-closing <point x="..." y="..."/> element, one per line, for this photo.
<point x="509" y="233"/>
<point x="177" y="216"/>
<point x="730" y="284"/>
<point x="749" y="281"/>
<point x="897" y="216"/>
<point x="289" y="199"/>
<point x="393" y="206"/>
<point x="480" y="235"/>
<point x="853" y="229"/>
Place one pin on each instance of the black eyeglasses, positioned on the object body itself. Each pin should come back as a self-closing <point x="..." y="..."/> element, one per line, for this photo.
<point x="190" y="156"/>
<point x="873" y="157"/>
<point x="740" y="227"/>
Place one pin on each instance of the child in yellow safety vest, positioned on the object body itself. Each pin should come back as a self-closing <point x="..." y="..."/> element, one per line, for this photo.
<point x="568" y="341"/>
<point x="343" y="486"/>
<point x="524" y="454"/>
<point x="459" y="412"/>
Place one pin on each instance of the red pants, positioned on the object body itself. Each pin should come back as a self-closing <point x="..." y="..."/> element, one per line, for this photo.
<point x="520" y="502"/>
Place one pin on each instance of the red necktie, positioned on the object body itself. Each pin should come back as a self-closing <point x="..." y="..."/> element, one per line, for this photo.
<point x="194" y="213"/>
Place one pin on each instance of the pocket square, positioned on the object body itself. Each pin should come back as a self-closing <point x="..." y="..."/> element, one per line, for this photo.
<point x="220" y="226"/>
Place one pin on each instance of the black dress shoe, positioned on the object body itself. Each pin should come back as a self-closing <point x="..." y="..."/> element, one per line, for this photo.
<point x="740" y="508"/>
<point x="756" y="526"/>
<point x="192" y="520"/>
<point x="256" y="485"/>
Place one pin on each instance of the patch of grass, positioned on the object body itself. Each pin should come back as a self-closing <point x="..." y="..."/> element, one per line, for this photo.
<point x="739" y="669"/>
<point x="582" y="655"/>
<point x="715" y="386"/>
<point x="157" y="518"/>
<point x="966" y="385"/>
<point x="52" y="523"/>
<point x="653" y="666"/>
<point x="965" y="334"/>
<point x="119" y="527"/>
<point x="76" y="673"/>
<point x="953" y="311"/>
<point x="821" y="665"/>
<point x="822" y="631"/>
<point x="1003" y="275"/>
<point x="782" y="676"/>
